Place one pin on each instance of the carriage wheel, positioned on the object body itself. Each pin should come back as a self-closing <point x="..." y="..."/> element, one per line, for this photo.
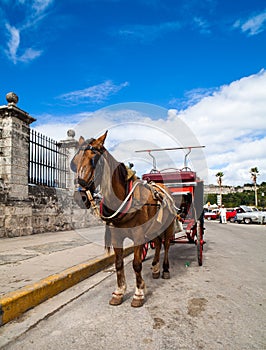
<point x="200" y="241"/>
<point x="144" y="251"/>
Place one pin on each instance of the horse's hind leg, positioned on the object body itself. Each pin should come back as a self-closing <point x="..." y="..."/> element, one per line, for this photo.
<point x="118" y="294"/>
<point x="138" y="299"/>
<point x="156" y="260"/>
<point x="167" y="238"/>
<point x="166" y="273"/>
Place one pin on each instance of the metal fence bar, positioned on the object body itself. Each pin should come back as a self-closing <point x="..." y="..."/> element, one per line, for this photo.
<point x="47" y="161"/>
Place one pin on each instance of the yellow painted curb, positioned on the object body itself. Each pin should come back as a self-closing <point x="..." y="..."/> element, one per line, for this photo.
<point x="15" y="303"/>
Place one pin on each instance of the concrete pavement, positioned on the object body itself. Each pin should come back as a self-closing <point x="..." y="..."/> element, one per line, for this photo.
<point x="36" y="267"/>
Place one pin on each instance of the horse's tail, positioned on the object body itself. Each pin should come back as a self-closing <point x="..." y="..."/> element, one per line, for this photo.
<point x="107" y="239"/>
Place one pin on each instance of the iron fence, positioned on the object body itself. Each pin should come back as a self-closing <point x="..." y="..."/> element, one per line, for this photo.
<point x="47" y="161"/>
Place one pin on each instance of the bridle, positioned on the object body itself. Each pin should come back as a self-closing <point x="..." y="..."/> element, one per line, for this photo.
<point x="87" y="185"/>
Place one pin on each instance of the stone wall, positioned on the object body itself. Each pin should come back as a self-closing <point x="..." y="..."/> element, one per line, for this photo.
<point x="28" y="209"/>
<point x="17" y="219"/>
<point x="54" y="209"/>
<point x="46" y="210"/>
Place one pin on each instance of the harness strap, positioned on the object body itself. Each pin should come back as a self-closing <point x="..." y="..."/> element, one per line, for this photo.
<point x="166" y="193"/>
<point x="93" y="204"/>
<point x="129" y="203"/>
<point x="126" y="204"/>
<point x="118" y="211"/>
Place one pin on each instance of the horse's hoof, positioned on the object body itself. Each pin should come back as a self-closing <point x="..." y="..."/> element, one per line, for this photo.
<point x="155" y="275"/>
<point x="137" y="302"/>
<point x="116" y="300"/>
<point x="166" y="275"/>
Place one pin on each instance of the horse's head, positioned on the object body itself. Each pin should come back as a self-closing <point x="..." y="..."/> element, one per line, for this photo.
<point x="83" y="165"/>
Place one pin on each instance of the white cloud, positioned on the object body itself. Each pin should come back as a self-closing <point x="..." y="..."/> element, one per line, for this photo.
<point x="55" y="131"/>
<point x="41" y="5"/>
<point x="202" y="24"/>
<point x="192" y="97"/>
<point x="34" y="11"/>
<point x="13" y="45"/>
<point x="148" y="33"/>
<point x="13" y="42"/>
<point x="93" y="94"/>
<point x="230" y="123"/>
<point x="253" y="25"/>
<point x="29" y="55"/>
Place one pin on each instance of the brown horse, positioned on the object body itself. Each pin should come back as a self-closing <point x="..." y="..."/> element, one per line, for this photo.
<point x="131" y="209"/>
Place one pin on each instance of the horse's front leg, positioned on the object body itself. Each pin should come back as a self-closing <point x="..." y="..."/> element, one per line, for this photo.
<point x="118" y="294"/>
<point x="138" y="299"/>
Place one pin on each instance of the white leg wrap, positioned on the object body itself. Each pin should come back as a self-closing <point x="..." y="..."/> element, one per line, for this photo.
<point x="120" y="291"/>
<point x="139" y="294"/>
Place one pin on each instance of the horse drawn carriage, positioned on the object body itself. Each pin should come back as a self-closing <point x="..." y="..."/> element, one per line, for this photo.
<point x="187" y="191"/>
<point x="142" y="211"/>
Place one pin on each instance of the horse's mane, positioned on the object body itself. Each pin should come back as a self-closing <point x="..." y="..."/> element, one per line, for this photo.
<point x="111" y="169"/>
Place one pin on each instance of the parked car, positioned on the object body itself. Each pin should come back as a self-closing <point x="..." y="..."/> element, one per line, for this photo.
<point x="231" y="215"/>
<point x="250" y="215"/>
<point x="211" y="215"/>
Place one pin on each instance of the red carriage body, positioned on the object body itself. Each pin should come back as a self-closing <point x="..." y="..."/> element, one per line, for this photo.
<point x="187" y="191"/>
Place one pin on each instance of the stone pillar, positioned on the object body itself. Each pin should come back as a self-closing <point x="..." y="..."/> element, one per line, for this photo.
<point x="71" y="146"/>
<point x="15" y="209"/>
<point x="14" y="148"/>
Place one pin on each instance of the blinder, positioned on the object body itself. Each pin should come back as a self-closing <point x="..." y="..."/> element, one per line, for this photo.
<point x="80" y="195"/>
<point x="73" y="166"/>
<point x="81" y="198"/>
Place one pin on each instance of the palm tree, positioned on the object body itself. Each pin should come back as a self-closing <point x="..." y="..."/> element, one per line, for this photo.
<point x="254" y="174"/>
<point x="219" y="176"/>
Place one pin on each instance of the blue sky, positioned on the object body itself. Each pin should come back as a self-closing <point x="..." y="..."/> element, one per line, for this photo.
<point x="201" y="61"/>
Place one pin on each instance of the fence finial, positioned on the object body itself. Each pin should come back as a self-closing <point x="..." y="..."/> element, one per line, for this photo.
<point x="12" y="98"/>
<point x="71" y="133"/>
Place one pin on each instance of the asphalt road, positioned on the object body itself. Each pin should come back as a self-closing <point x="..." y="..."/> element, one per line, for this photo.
<point x="220" y="305"/>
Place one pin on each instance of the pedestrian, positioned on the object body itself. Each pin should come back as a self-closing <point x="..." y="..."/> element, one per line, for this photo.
<point x="222" y="215"/>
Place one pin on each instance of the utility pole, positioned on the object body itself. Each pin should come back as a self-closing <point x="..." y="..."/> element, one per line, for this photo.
<point x="254" y="174"/>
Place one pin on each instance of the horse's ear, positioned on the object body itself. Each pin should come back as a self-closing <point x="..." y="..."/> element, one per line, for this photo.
<point x="101" y="139"/>
<point x="81" y="140"/>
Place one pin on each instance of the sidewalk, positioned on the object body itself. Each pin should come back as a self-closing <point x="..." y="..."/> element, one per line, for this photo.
<point x="36" y="267"/>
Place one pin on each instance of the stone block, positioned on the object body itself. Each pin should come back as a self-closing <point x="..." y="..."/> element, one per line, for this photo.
<point x="2" y="222"/>
<point x="2" y="211"/>
<point x="2" y="232"/>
